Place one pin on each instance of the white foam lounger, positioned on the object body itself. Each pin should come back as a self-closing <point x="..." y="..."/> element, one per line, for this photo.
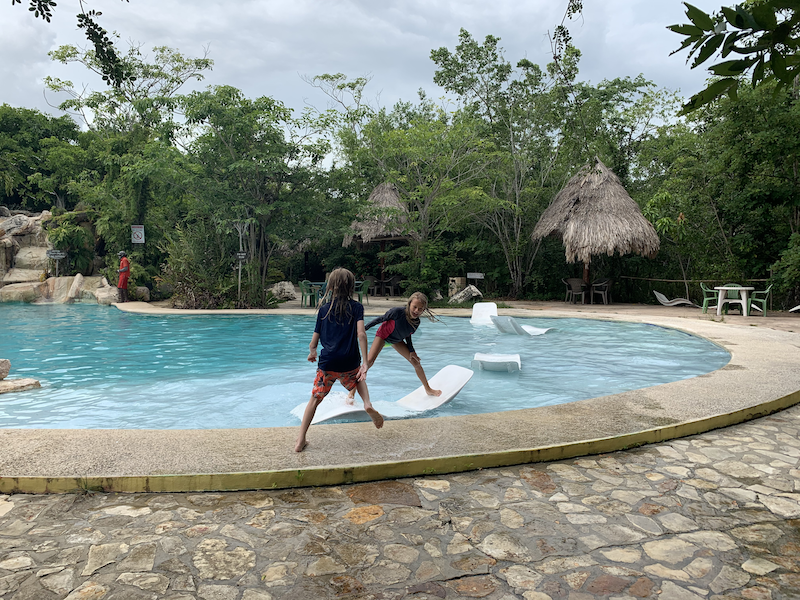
<point x="510" y="325"/>
<point x="497" y="362"/>
<point x="451" y="379"/>
<point x="482" y="313"/>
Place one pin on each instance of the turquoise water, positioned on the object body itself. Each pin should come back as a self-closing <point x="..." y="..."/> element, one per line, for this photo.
<point x="103" y="368"/>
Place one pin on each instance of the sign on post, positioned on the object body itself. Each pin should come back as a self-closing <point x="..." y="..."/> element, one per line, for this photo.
<point x="474" y="275"/>
<point x="137" y="234"/>
<point x="56" y="255"/>
<point x="242" y="256"/>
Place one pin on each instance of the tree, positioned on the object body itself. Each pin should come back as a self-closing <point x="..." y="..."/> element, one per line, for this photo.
<point x="519" y="117"/>
<point x="111" y="67"/>
<point x="765" y="34"/>
<point x="39" y="156"/>
<point x="145" y="100"/>
<point x="252" y="183"/>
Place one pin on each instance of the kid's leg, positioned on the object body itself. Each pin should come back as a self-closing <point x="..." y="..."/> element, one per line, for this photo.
<point x="308" y="416"/>
<point x="322" y="385"/>
<point x="376" y="417"/>
<point x="406" y="353"/>
<point x="374" y="350"/>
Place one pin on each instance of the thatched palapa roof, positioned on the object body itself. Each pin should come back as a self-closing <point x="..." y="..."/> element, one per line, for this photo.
<point x="384" y="219"/>
<point x="594" y="214"/>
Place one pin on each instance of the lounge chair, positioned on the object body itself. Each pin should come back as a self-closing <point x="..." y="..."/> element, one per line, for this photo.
<point x="497" y="362"/>
<point x="674" y="302"/>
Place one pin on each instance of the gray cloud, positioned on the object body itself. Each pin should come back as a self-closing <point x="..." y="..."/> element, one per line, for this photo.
<point x="264" y="47"/>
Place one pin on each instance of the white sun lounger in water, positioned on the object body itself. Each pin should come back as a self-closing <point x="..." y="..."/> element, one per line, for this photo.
<point x="510" y="325"/>
<point x="497" y="362"/>
<point x="482" y="313"/>
<point x="451" y="379"/>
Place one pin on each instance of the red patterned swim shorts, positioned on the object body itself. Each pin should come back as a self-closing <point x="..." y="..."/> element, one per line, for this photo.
<point x="325" y="380"/>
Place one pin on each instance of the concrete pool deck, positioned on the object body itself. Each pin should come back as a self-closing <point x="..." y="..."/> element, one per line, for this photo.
<point x="762" y="377"/>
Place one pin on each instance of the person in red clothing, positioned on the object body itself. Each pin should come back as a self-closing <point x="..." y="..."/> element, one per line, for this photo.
<point x="124" y="272"/>
<point x="396" y="327"/>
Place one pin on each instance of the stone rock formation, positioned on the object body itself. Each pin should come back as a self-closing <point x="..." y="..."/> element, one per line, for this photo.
<point x="465" y="295"/>
<point x="23" y="247"/>
<point x="14" y="385"/>
<point x="284" y="290"/>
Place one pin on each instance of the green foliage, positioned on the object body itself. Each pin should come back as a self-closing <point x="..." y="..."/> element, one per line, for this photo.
<point x="199" y="274"/>
<point x="111" y="67"/>
<point x="765" y="35"/>
<point x="38" y="159"/>
<point x="74" y="238"/>
<point x="786" y="272"/>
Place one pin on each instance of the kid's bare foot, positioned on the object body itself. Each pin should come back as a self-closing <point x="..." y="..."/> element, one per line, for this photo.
<point x="376" y="417"/>
<point x="351" y="396"/>
<point x="300" y="446"/>
<point x="349" y="401"/>
<point x="432" y="392"/>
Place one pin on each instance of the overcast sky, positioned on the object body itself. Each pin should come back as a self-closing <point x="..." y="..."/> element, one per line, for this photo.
<point x="264" y="47"/>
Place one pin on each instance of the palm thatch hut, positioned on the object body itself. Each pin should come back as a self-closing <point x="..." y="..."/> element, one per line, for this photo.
<point x="384" y="219"/>
<point x="593" y="214"/>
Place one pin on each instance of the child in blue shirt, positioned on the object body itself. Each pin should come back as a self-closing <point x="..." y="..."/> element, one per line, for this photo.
<point x="340" y="328"/>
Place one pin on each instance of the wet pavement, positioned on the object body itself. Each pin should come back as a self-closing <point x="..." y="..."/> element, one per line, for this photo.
<point x="710" y="516"/>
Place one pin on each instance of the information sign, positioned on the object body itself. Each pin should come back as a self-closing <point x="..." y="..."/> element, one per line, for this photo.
<point x="56" y="254"/>
<point x="242" y="256"/>
<point x="137" y="234"/>
<point x="474" y="275"/>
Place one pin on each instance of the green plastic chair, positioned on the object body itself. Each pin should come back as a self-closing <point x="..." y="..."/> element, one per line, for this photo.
<point x="709" y="295"/>
<point x="733" y="295"/>
<point x="759" y="297"/>
<point x="308" y="297"/>
<point x="362" y="289"/>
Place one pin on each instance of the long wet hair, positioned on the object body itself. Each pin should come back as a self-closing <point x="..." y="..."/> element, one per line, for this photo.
<point x="339" y="291"/>
<point x="425" y="313"/>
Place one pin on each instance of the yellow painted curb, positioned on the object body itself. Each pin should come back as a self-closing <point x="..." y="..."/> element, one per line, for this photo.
<point x="323" y="476"/>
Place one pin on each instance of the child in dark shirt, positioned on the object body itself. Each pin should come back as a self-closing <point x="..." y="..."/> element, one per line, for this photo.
<point x="340" y="328"/>
<point x="397" y="326"/>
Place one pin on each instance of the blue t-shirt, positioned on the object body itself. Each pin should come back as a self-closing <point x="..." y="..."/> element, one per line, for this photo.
<point x="339" y="340"/>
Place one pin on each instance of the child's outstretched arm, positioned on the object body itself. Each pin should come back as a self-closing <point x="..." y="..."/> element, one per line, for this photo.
<point x="312" y="347"/>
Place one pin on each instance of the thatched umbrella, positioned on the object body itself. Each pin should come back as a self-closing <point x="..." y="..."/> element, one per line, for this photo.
<point x="594" y="214"/>
<point x="384" y="219"/>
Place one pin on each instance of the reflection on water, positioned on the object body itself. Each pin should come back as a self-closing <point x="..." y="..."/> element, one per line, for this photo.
<point x="102" y="368"/>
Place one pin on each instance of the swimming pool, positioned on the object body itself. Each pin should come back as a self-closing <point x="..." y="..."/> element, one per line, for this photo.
<point x="103" y="368"/>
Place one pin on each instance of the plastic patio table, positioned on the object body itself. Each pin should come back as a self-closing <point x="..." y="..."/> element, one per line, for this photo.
<point x="723" y="297"/>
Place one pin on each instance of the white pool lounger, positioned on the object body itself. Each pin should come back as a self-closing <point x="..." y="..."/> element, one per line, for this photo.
<point x="510" y="325"/>
<point x="482" y="313"/>
<point x="451" y="379"/>
<point x="497" y="362"/>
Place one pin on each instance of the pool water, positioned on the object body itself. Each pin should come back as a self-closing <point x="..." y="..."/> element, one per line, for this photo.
<point x="103" y="368"/>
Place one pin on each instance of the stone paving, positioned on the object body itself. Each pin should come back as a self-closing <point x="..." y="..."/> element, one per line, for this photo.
<point x="711" y="516"/>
